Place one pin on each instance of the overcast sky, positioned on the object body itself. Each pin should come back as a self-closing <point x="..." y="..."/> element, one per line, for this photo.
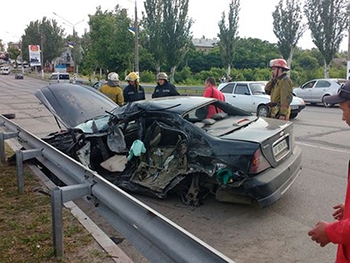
<point x="255" y="17"/>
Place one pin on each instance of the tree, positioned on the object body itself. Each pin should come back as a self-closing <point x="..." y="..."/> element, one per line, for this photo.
<point x="327" y="20"/>
<point x="228" y="34"/>
<point x="151" y="34"/>
<point x="13" y="52"/>
<point x="110" y="45"/>
<point x="48" y="35"/>
<point x="168" y="29"/>
<point x="287" y="27"/>
<point x="1" y="45"/>
<point x="176" y="32"/>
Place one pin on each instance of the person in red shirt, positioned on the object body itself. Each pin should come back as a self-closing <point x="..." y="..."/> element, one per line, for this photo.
<point x="212" y="92"/>
<point x="338" y="232"/>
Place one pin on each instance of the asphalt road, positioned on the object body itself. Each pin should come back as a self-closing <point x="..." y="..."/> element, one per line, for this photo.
<point x="244" y="233"/>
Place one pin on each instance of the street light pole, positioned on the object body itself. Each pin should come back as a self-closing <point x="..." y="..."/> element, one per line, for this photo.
<point x="74" y="38"/>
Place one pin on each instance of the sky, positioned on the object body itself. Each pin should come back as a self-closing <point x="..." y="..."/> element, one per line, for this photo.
<point x="255" y="17"/>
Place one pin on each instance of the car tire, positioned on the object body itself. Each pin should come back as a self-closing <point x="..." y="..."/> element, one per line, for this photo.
<point x="262" y="111"/>
<point x="9" y="115"/>
<point x="293" y="115"/>
<point x="327" y="105"/>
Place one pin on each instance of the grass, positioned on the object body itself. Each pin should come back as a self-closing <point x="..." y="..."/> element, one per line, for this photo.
<point x="25" y="224"/>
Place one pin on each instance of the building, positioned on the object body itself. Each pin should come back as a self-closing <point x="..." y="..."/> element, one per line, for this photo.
<point x="204" y="44"/>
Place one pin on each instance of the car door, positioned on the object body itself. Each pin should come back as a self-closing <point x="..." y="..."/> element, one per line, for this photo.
<point x="227" y="90"/>
<point x="243" y="98"/>
<point x="306" y="91"/>
<point x="320" y="89"/>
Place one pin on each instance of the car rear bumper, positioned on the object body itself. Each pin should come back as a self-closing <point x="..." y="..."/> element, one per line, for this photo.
<point x="299" y="109"/>
<point x="269" y="186"/>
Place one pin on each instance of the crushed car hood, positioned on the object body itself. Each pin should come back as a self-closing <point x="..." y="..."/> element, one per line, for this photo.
<point x="74" y="104"/>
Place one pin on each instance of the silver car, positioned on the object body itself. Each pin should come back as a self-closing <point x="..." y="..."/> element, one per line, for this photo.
<point x="314" y="91"/>
<point x="251" y="96"/>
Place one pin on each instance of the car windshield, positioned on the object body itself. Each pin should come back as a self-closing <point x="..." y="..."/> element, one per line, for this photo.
<point x="64" y="76"/>
<point x="257" y="88"/>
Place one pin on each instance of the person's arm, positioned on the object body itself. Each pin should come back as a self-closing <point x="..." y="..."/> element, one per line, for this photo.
<point x="143" y="96"/>
<point x="125" y="94"/>
<point x="120" y="98"/>
<point x="174" y="91"/>
<point x="269" y="85"/>
<point x="286" y="96"/>
<point x="339" y="232"/>
<point x="154" y="94"/>
<point x="207" y="93"/>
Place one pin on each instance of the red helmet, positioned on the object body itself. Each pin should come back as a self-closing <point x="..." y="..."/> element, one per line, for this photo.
<point x="278" y="63"/>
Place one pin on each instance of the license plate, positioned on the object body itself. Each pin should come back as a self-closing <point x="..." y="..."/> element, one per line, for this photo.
<point x="278" y="148"/>
<point x="294" y="107"/>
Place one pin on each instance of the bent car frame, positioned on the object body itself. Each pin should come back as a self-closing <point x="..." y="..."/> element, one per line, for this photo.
<point x="167" y="145"/>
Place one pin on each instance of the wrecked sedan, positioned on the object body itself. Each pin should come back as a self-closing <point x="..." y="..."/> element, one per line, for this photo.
<point x="167" y="145"/>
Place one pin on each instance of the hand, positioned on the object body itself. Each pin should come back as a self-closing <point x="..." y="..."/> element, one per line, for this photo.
<point x="338" y="214"/>
<point x="281" y="117"/>
<point x="318" y="234"/>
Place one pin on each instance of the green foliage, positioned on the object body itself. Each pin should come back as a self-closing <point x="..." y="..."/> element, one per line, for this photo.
<point x="254" y="53"/>
<point x="148" y="76"/>
<point x="111" y="47"/>
<point x="228" y="33"/>
<point x="14" y="52"/>
<point x="48" y="35"/>
<point x="287" y="26"/>
<point x="327" y="21"/>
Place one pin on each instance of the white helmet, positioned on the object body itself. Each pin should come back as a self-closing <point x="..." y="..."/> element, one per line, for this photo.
<point x="162" y="75"/>
<point x="113" y="76"/>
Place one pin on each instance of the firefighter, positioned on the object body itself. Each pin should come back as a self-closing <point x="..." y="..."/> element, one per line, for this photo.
<point x="133" y="91"/>
<point x="164" y="88"/>
<point x="112" y="89"/>
<point x="280" y="89"/>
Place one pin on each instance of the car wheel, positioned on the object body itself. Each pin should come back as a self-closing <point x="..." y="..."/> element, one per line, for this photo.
<point x="293" y="115"/>
<point x="328" y="105"/>
<point x="262" y="111"/>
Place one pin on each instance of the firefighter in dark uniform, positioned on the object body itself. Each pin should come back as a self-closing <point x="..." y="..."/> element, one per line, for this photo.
<point x="133" y="91"/>
<point x="280" y="89"/>
<point x="164" y="88"/>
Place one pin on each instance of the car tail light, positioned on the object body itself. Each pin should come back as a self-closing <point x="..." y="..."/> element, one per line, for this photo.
<point x="259" y="163"/>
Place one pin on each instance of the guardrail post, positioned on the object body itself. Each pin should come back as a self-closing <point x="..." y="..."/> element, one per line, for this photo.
<point x="21" y="156"/>
<point x="59" y="196"/>
<point x="57" y="221"/>
<point x="4" y="136"/>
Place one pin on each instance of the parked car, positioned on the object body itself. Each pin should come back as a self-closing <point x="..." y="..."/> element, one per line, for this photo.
<point x="166" y="145"/>
<point x="98" y="84"/>
<point x="251" y="96"/>
<point x="19" y="76"/>
<point x="59" y="77"/>
<point x="5" y="70"/>
<point x="314" y="91"/>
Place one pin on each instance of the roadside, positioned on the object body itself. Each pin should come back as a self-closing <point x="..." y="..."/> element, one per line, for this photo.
<point x="26" y="225"/>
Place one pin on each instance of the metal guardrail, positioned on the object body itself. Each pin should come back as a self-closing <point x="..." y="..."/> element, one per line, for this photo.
<point x="155" y="236"/>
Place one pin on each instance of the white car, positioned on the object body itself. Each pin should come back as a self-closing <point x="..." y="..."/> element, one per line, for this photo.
<point x="251" y="96"/>
<point x="314" y="91"/>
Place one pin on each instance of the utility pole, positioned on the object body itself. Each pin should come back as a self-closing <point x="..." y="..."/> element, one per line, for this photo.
<point x="136" y="25"/>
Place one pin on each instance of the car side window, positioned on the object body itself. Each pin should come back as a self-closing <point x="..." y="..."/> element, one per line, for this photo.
<point x="242" y="89"/>
<point x="228" y="88"/>
<point x="323" y="84"/>
<point x="54" y="77"/>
